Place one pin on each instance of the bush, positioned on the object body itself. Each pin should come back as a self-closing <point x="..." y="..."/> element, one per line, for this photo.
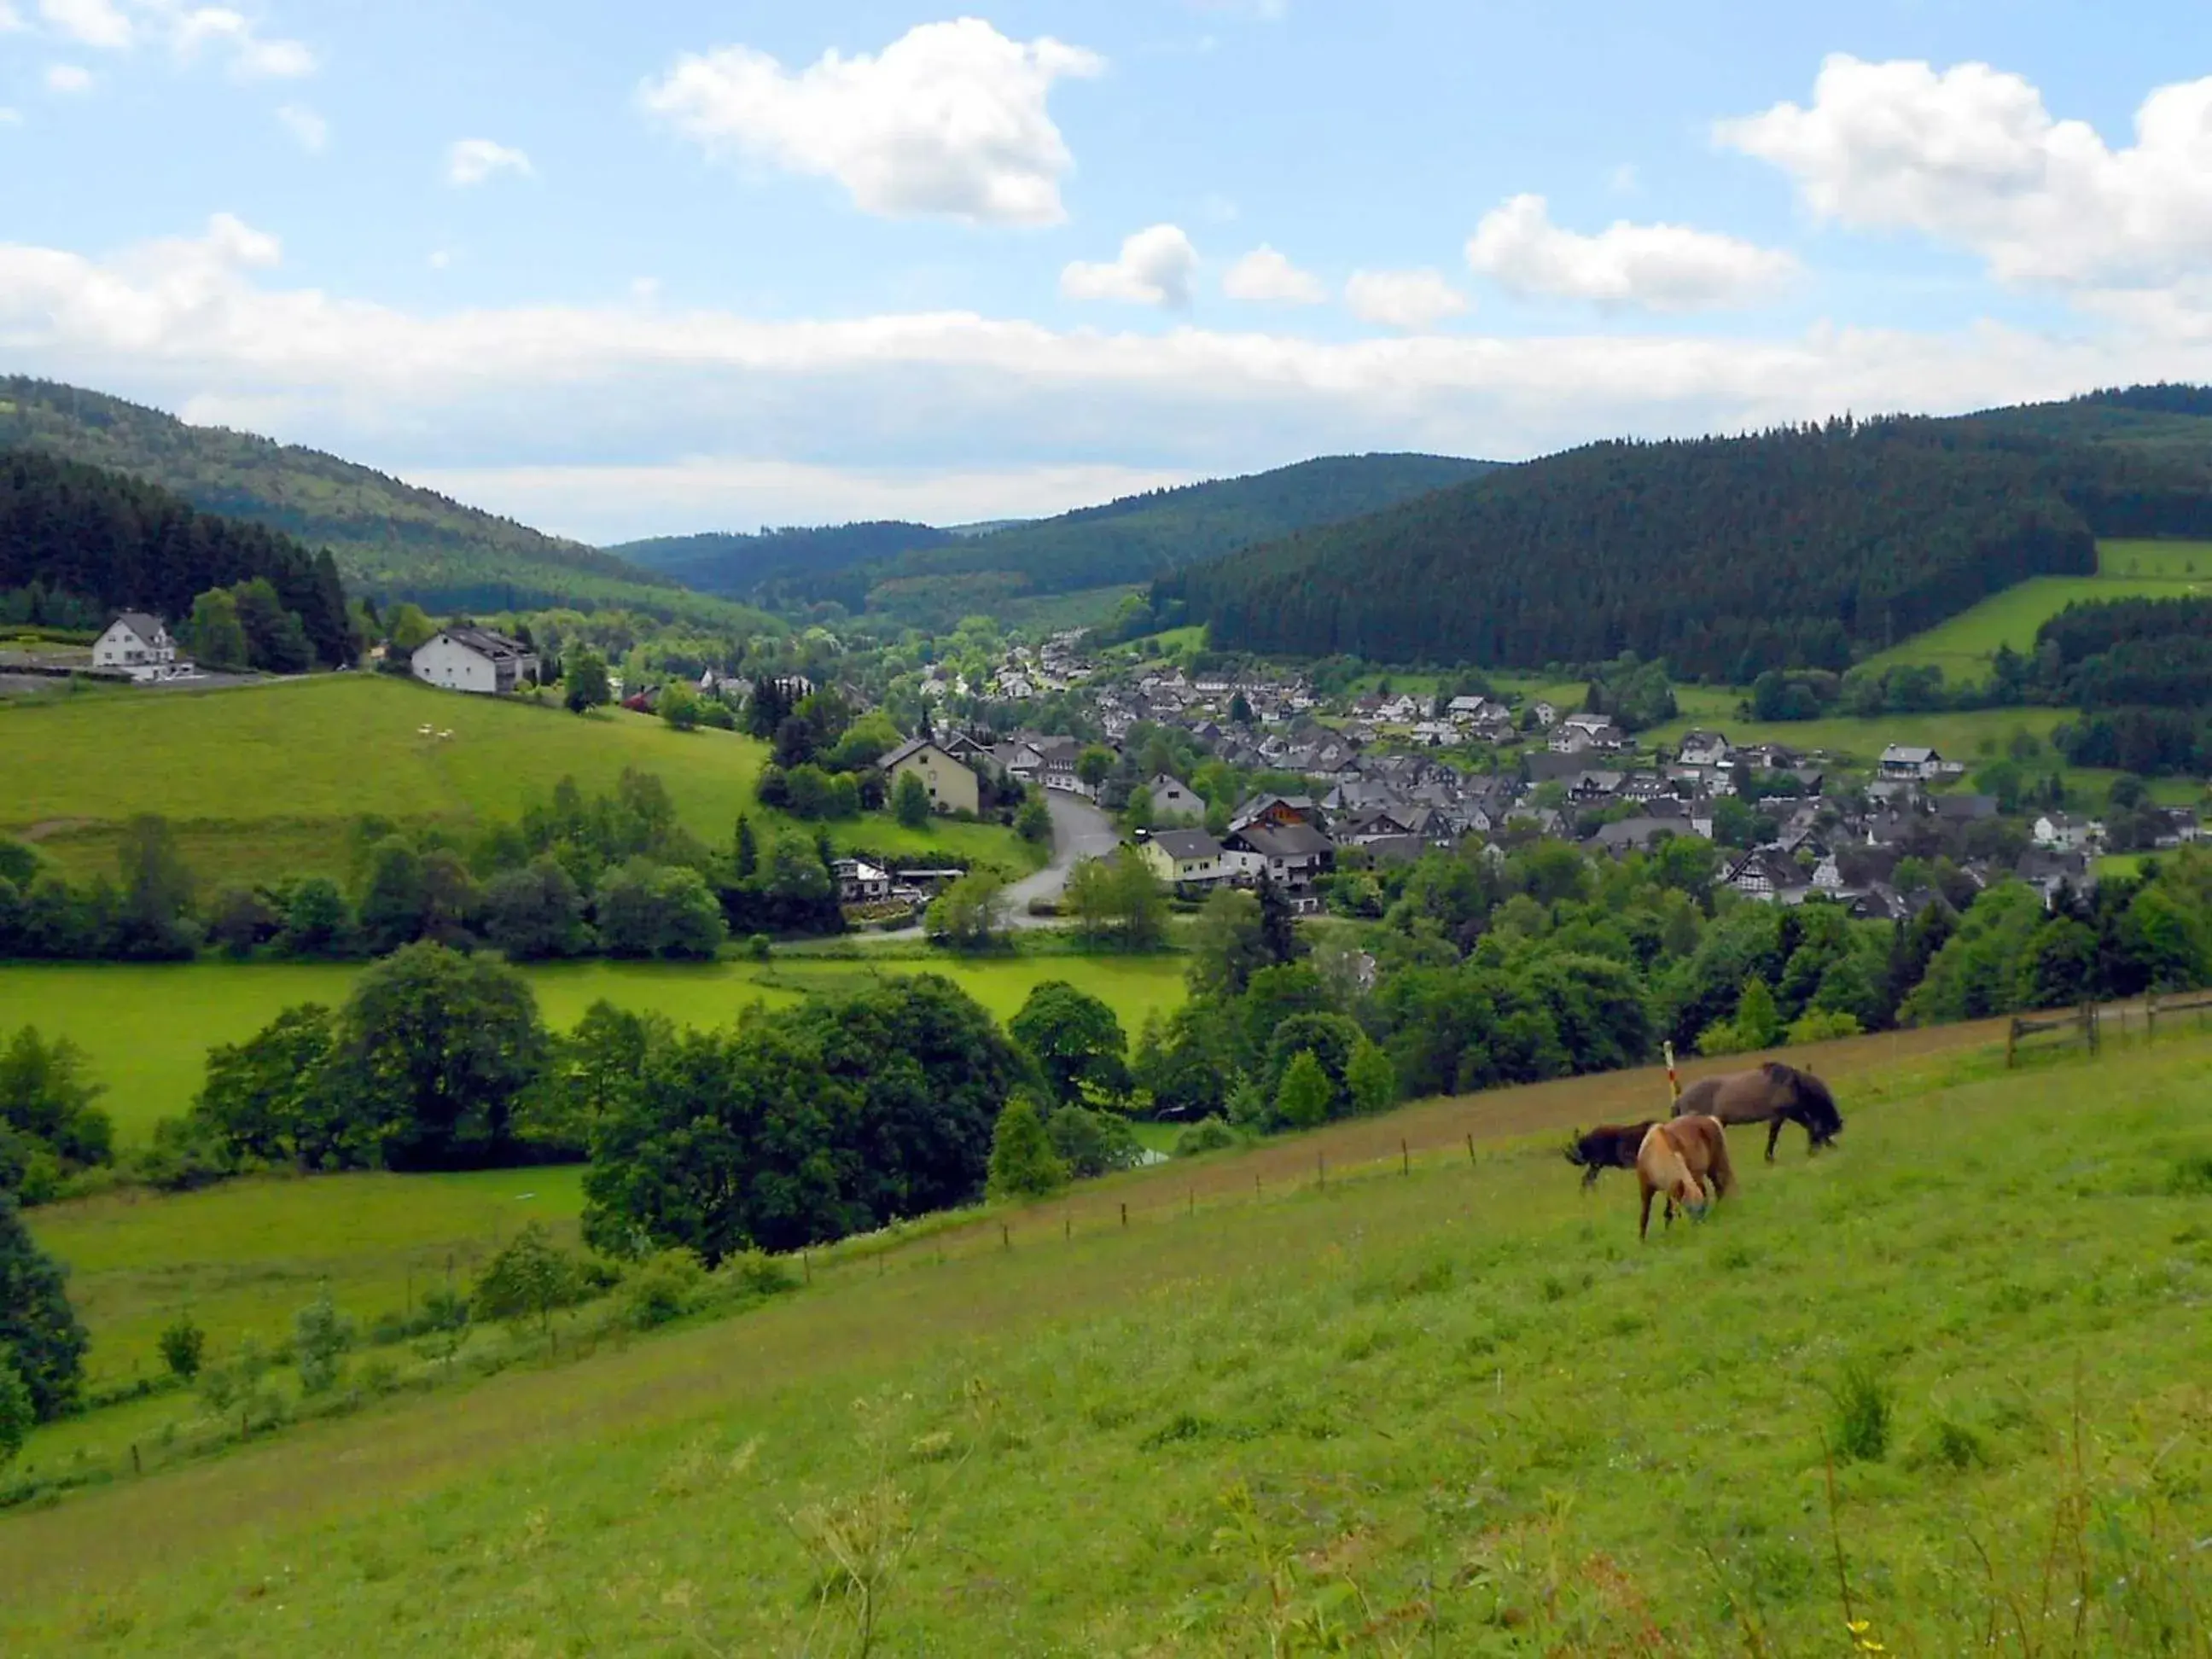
<point x="1093" y="1143"/>
<point x="664" y="1288"/>
<point x="1820" y="1027"/>
<point x="183" y="1345"/>
<point x="1208" y="1134"/>
<point x="1023" y="1162"/>
<point x="757" y="947"/>
<point x="752" y="1274"/>
<point x="320" y="1336"/>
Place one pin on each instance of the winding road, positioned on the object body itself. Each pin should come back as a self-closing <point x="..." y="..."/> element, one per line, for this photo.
<point x="1079" y="831"/>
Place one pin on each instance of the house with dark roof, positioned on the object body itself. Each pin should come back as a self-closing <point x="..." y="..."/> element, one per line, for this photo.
<point x="1186" y="858"/>
<point x="1292" y="853"/>
<point x="137" y="643"/>
<point x="467" y="659"/>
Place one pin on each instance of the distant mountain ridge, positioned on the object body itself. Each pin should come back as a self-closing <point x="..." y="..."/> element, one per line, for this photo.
<point x="1727" y="557"/>
<point x="919" y="572"/>
<point x="390" y="538"/>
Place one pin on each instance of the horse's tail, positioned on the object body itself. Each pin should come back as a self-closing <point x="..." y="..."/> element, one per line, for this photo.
<point x="1720" y="1169"/>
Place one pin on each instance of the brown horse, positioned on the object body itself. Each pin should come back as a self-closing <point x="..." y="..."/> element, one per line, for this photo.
<point x="1608" y="1146"/>
<point x="1687" y="1159"/>
<point x="1773" y="1094"/>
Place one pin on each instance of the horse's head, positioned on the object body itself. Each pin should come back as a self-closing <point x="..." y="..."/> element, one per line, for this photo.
<point x="1811" y="1104"/>
<point x="1582" y="1153"/>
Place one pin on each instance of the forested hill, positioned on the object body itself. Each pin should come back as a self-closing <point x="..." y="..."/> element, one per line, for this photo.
<point x="925" y="574"/>
<point x="391" y="539"/>
<point x="78" y="534"/>
<point x="741" y="565"/>
<point x="1725" y="555"/>
<point x="1140" y="536"/>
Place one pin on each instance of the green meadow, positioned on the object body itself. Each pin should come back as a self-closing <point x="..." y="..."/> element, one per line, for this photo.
<point x="147" y="1028"/>
<point x="267" y="780"/>
<point x="1962" y="647"/>
<point x="1949" y="1380"/>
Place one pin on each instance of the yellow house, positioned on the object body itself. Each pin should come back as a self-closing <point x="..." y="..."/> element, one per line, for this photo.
<point x="952" y="787"/>
<point x="1185" y="857"/>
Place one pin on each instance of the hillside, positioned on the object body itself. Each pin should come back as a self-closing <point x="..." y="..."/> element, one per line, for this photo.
<point x="98" y="542"/>
<point x="933" y="577"/>
<point x="390" y="538"/>
<point x="1725" y="555"/>
<point x="269" y="780"/>
<point x="739" y="565"/>
<point x="1458" y="1410"/>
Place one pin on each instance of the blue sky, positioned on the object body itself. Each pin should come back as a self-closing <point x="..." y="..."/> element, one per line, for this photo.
<point x="622" y="270"/>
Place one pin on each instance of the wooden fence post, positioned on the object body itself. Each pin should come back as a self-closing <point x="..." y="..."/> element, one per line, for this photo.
<point x="1404" y="1157"/>
<point x="1066" y="1226"/>
<point x="1674" y="1083"/>
<point x="1005" y="1237"/>
<point x="807" y="1266"/>
<point x="1125" y="1214"/>
<point x="2012" y="1040"/>
<point x="1470" y="1150"/>
<point x="1320" y="1164"/>
<point x="2150" y="1017"/>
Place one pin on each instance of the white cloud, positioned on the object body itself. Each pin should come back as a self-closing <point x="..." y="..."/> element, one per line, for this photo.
<point x="11" y="20"/>
<point x="1154" y="269"/>
<point x="252" y="57"/>
<point x="99" y="23"/>
<point x="1402" y="299"/>
<point x="68" y="79"/>
<point x="473" y="161"/>
<point x="308" y="130"/>
<point x="206" y="324"/>
<point x="1266" y="276"/>
<point x="1656" y="267"/>
<point x="948" y="120"/>
<point x="1971" y="156"/>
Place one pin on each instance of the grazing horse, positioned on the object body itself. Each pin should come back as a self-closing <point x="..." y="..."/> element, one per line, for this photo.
<point x="1608" y="1146"/>
<point x="1687" y="1159"/>
<point x="1773" y="1094"/>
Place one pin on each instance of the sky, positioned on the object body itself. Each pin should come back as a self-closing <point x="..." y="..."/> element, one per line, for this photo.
<point x="620" y="270"/>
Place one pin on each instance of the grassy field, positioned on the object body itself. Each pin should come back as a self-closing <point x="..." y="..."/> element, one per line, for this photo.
<point x="267" y="779"/>
<point x="1962" y="647"/>
<point x="148" y="1028"/>
<point x="1455" y="1411"/>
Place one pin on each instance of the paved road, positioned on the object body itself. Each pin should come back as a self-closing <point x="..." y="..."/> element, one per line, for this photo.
<point x="1079" y="831"/>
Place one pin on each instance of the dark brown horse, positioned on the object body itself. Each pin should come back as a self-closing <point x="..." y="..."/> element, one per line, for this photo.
<point x="1687" y="1159"/>
<point x="1773" y="1094"/>
<point x="1608" y="1146"/>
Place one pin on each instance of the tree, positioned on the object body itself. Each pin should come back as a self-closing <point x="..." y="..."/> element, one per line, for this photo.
<point x="271" y="1098"/>
<point x="587" y="686"/>
<point x="1092" y="1143"/>
<point x="1139" y="904"/>
<point x="17" y="1413"/>
<point x="157" y="892"/>
<point x="320" y="1336"/>
<point x="436" y="1047"/>
<point x="408" y="630"/>
<point x="746" y="852"/>
<point x="393" y="899"/>
<point x="678" y="705"/>
<point x="1024" y="1164"/>
<point x="1033" y="824"/>
<point x="646" y="909"/>
<point x="1228" y="946"/>
<point x="183" y="1345"/>
<point x="910" y="801"/>
<point x="212" y="634"/>
<point x="40" y="1332"/>
<point x="536" y="912"/>
<point x="1302" y="1099"/>
<point x="48" y="1127"/>
<point x="595" y="1071"/>
<point x="240" y="917"/>
<point x="1372" y="1078"/>
<point x="971" y="913"/>
<point x="1757" y="1021"/>
<point x="1279" y="932"/>
<point x="317" y="923"/>
<point x="529" y="1278"/>
<point x="275" y="639"/>
<point x="1094" y="766"/>
<point x="1076" y="1039"/>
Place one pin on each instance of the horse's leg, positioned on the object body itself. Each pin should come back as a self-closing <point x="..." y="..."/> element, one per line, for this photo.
<point x="1643" y="1227"/>
<point x="1773" y="1133"/>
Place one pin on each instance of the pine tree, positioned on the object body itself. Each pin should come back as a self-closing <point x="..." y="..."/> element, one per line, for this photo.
<point x="39" y="1330"/>
<point x="1301" y="1100"/>
<point x="1757" y="1021"/>
<point x="748" y="848"/>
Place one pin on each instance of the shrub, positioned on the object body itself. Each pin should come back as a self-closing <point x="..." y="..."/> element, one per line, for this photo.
<point x="664" y="1288"/>
<point x="530" y="1278"/>
<point x="757" y="947"/>
<point x="1023" y="1162"/>
<point x="1093" y="1143"/>
<point x="1208" y="1134"/>
<point x="320" y="1336"/>
<point x="182" y="1345"/>
<point x="1820" y="1027"/>
<point x="754" y="1273"/>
